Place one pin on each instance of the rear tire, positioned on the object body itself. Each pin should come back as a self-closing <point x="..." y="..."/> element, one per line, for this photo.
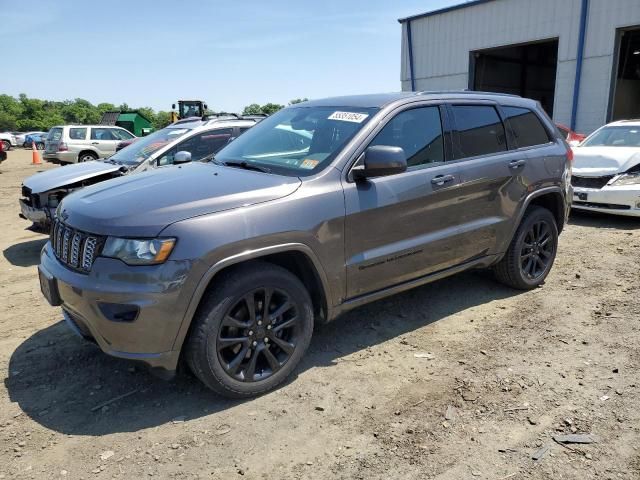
<point x="250" y="331"/>
<point x="532" y="251"/>
<point x="6" y="145"/>
<point x="40" y="146"/>
<point x="87" y="157"/>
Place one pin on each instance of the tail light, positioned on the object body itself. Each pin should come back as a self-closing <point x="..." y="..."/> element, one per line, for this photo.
<point x="1" y="146"/>
<point x="570" y="154"/>
<point x="62" y="147"/>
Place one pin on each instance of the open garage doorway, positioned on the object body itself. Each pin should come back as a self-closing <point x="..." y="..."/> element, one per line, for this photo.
<point x="528" y="70"/>
<point x="626" y="86"/>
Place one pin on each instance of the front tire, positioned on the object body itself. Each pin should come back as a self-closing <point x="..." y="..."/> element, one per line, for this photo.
<point x="250" y="331"/>
<point x="40" y="146"/>
<point x="532" y="251"/>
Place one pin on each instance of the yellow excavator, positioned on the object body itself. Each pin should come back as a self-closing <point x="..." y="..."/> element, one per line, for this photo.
<point x="188" y="108"/>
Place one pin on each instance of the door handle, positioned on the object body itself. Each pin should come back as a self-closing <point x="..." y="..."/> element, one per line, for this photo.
<point x="517" y="163"/>
<point x="95" y="143"/>
<point x="442" y="179"/>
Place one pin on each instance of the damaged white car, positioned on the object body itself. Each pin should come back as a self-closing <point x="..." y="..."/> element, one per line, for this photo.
<point x="183" y="141"/>
<point x="606" y="170"/>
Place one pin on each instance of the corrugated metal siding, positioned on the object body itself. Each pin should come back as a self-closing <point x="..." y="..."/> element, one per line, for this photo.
<point x="441" y="46"/>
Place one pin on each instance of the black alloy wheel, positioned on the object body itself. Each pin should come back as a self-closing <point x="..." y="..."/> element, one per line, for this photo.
<point x="251" y="329"/>
<point x="532" y="251"/>
<point x="258" y="334"/>
<point x="538" y="249"/>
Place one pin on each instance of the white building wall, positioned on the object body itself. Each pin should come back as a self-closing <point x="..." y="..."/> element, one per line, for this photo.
<point x="441" y="46"/>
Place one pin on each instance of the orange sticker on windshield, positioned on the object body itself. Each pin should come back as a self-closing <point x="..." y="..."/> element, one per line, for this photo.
<point x="309" y="164"/>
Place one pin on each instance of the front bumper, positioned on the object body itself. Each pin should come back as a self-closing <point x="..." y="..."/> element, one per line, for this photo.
<point x="37" y="215"/>
<point x="92" y="305"/>
<point x="621" y="200"/>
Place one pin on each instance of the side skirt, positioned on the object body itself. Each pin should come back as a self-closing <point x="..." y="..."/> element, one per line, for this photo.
<point x="401" y="287"/>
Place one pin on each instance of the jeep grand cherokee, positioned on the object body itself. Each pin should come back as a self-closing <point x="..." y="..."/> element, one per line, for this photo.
<point x="320" y="208"/>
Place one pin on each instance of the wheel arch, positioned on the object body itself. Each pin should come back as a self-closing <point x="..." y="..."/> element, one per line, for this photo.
<point x="297" y="258"/>
<point x="88" y="150"/>
<point x="551" y="198"/>
<point x="553" y="201"/>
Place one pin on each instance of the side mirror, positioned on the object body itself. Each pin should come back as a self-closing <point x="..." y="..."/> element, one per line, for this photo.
<point x="380" y="161"/>
<point x="173" y="106"/>
<point x="181" y="157"/>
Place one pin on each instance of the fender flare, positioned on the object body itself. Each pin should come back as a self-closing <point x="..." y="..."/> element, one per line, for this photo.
<point x="240" y="258"/>
<point x="525" y="206"/>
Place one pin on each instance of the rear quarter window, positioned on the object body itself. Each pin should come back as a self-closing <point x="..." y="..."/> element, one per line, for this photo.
<point x="479" y="131"/>
<point x="77" y="133"/>
<point x="526" y="126"/>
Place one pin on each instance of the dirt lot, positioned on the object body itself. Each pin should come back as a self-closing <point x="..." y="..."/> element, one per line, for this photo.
<point x="459" y="379"/>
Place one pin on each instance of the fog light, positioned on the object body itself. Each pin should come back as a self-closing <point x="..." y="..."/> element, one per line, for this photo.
<point x="637" y="204"/>
<point x="117" y="312"/>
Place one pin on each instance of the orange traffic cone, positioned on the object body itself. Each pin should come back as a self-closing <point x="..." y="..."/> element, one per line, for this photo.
<point x="35" y="155"/>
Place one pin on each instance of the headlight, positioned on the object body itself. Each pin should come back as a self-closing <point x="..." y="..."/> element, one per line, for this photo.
<point x="627" y="179"/>
<point x="134" y="251"/>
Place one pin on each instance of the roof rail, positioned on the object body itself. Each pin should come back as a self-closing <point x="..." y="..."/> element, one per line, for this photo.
<point x="466" y="91"/>
<point x="228" y="116"/>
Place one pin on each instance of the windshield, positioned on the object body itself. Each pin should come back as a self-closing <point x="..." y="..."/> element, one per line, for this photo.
<point x="146" y="146"/>
<point x="614" y="137"/>
<point x="298" y="141"/>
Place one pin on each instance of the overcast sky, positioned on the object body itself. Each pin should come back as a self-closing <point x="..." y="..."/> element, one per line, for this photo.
<point x="230" y="54"/>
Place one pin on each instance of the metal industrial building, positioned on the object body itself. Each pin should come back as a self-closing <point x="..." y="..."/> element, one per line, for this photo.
<point x="579" y="58"/>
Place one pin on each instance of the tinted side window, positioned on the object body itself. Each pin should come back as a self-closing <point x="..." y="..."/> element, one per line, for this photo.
<point x="480" y="131"/>
<point x="418" y="132"/>
<point x="121" y="134"/>
<point x="200" y="145"/>
<point x="101" y="134"/>
<point x="77" y="133"/>
<point x="526" y="127"/>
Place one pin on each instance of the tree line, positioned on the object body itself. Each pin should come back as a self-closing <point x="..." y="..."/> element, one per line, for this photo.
<point x="25" y="114"/>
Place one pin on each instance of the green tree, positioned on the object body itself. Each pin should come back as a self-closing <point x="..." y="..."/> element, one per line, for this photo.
<point x="161" y="120"/>
<point x="271" y="108"/>
<point x="253" y="109"/>
<point x="298" y="100"/>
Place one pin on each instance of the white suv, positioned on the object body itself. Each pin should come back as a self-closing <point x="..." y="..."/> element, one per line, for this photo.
<point x="83" y="143"/>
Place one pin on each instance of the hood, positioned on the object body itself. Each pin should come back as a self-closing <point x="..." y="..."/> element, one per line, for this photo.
<point x="143" y="205"/>
<point x="602" y="161"/>
<point x="67" y="175"/>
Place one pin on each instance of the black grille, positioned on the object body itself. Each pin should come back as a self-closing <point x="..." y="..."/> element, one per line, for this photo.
<point x="76" y="249"/>
<point x="590" y="182"/>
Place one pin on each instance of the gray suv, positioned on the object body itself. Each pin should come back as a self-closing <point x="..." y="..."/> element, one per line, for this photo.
<point x="322" y="207"/>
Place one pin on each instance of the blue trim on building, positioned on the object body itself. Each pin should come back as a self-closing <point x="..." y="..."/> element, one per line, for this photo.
<point x="410" y="48"/>
<point x="444" y="10"/>
<point x="581" y="40"/>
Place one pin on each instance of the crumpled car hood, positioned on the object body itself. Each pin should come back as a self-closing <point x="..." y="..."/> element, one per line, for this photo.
<point x="602" y="161"/>
<point x="67" y="175"/>
<point x="143" y="205"/>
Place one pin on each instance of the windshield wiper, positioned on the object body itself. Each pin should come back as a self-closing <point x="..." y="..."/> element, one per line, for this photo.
<point x="246" y="166"/>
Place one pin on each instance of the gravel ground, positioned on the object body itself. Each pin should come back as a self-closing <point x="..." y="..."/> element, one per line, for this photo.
<point x="460" y="379"/>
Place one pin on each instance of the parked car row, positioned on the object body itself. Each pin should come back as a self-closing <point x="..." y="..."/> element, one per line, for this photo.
<point x="321" y="207"/>
<point x="196" y="140"/>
